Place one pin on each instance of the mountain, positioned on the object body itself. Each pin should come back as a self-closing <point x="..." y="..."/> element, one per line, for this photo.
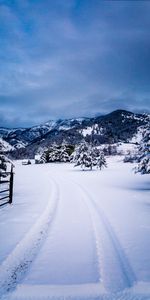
<point x="5" y="147"/>
<point x="119" y="125"/>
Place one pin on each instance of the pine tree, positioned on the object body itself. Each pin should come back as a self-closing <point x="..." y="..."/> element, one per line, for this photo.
<point x="82" y="156"/>
<point x="44" y="156"/>
<point x="55" y="153"/>
<point x="64" y="156"/>
<point x="144" y="152"/>
<point x="101" y="161"/>
<point x="87" y="156"/>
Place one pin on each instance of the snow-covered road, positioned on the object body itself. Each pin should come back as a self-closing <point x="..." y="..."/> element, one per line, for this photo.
<point x="70" y="248"/>
<point x="89" y="241"/>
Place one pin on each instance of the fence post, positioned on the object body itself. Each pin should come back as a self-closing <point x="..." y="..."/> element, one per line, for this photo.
<point x="11" y="185"/>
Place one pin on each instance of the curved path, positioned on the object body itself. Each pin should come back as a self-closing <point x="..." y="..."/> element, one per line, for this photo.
<point x="69" y="254"/>
<point x="81" y="257"/>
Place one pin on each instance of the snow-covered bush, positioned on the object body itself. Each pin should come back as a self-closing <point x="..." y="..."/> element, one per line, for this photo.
<point x="3" y="164"/>
<point x="131" y="156"/>
<point x="110" y="149"/>
<point x="144" y="153"/>
<point x="26" y="162"/>
<point x="87" y="156"/>
<point x="38" y="159"/>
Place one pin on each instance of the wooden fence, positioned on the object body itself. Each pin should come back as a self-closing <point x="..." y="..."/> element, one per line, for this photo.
<point x="6" y="187"/>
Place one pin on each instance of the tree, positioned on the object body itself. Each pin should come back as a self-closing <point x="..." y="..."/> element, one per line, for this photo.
<point x="4" y="165"/>
<point x="87" y="156"/>
<point x="45" y="156"/>
<point x="144" y="152"/>
<point x="101" y="161"/>
<point x="82" y="157"/>
<point x="64" y="156"/>
<point x="56" y="153"/>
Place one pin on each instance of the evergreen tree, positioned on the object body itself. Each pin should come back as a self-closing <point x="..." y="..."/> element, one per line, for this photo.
<point x="82" y="156"/>
<point x="56" y="153"/>
<point x="45" y="156"/>
<point x="144" y="152"/>
<point x="87" y="156"/>
<point x="64" y="156"/>
<point x="101" y="161"/>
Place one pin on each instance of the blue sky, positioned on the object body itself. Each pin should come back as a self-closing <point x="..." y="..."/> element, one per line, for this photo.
<point x="72" y="58"/>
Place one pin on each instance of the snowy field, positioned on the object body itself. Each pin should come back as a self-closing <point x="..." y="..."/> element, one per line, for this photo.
<point x="73" y="234"/>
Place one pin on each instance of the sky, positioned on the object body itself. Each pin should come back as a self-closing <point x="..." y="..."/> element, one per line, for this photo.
<point x="72" y="58"/>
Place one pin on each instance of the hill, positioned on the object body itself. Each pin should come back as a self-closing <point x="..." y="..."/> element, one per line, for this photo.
<point x="117" y="126"/>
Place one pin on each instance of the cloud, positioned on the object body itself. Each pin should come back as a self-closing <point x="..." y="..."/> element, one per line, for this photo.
<point x="72" y="58"/>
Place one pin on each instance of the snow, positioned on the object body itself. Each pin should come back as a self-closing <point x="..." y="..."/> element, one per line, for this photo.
<point x="73" y="234"/>
<point x="92" y="129"/>
<point x="5" y="146"/>
<point x="22" y="225"/>
<point x="80" y="120"/>
<point x="125" y="148"/>
<point x="65" y="127"/>
<point x="131" y="116"/>
<point x="37" y="157"/>
<point x="87" y="131"/>
<point x="20" y="144"/>
<point x="138" y="136"/>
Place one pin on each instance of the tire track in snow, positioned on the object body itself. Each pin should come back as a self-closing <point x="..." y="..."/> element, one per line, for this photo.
<point x="95" y="238"/>
<point x="95" y="235"/>
<point x="69" y="249"/>
<point x="76" y="292"/>
<point x="116" y="272"/>
<point x="18" y="261"/>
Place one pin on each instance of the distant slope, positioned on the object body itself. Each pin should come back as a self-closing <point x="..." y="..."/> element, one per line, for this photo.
<point x="119" y="125"/>
<point x="5" y="147"/>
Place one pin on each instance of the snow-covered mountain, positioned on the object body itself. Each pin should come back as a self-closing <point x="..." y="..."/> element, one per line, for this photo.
<point x="120" y="125"/>
<point x="21" y="137"/>
<point x="4" y="146"/>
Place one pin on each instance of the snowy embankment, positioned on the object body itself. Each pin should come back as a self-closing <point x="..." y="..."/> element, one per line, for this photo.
<point x="97" y="245"/>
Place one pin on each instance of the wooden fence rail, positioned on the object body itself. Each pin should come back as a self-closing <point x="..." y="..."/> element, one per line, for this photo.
<point x="6" y="187"/>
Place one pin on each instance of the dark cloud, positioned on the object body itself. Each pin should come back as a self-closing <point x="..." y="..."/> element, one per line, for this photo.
<point x="72" y="58"/>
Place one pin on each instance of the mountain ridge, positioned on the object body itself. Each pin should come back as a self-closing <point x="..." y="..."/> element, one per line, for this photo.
<point x="118" y="125"/>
